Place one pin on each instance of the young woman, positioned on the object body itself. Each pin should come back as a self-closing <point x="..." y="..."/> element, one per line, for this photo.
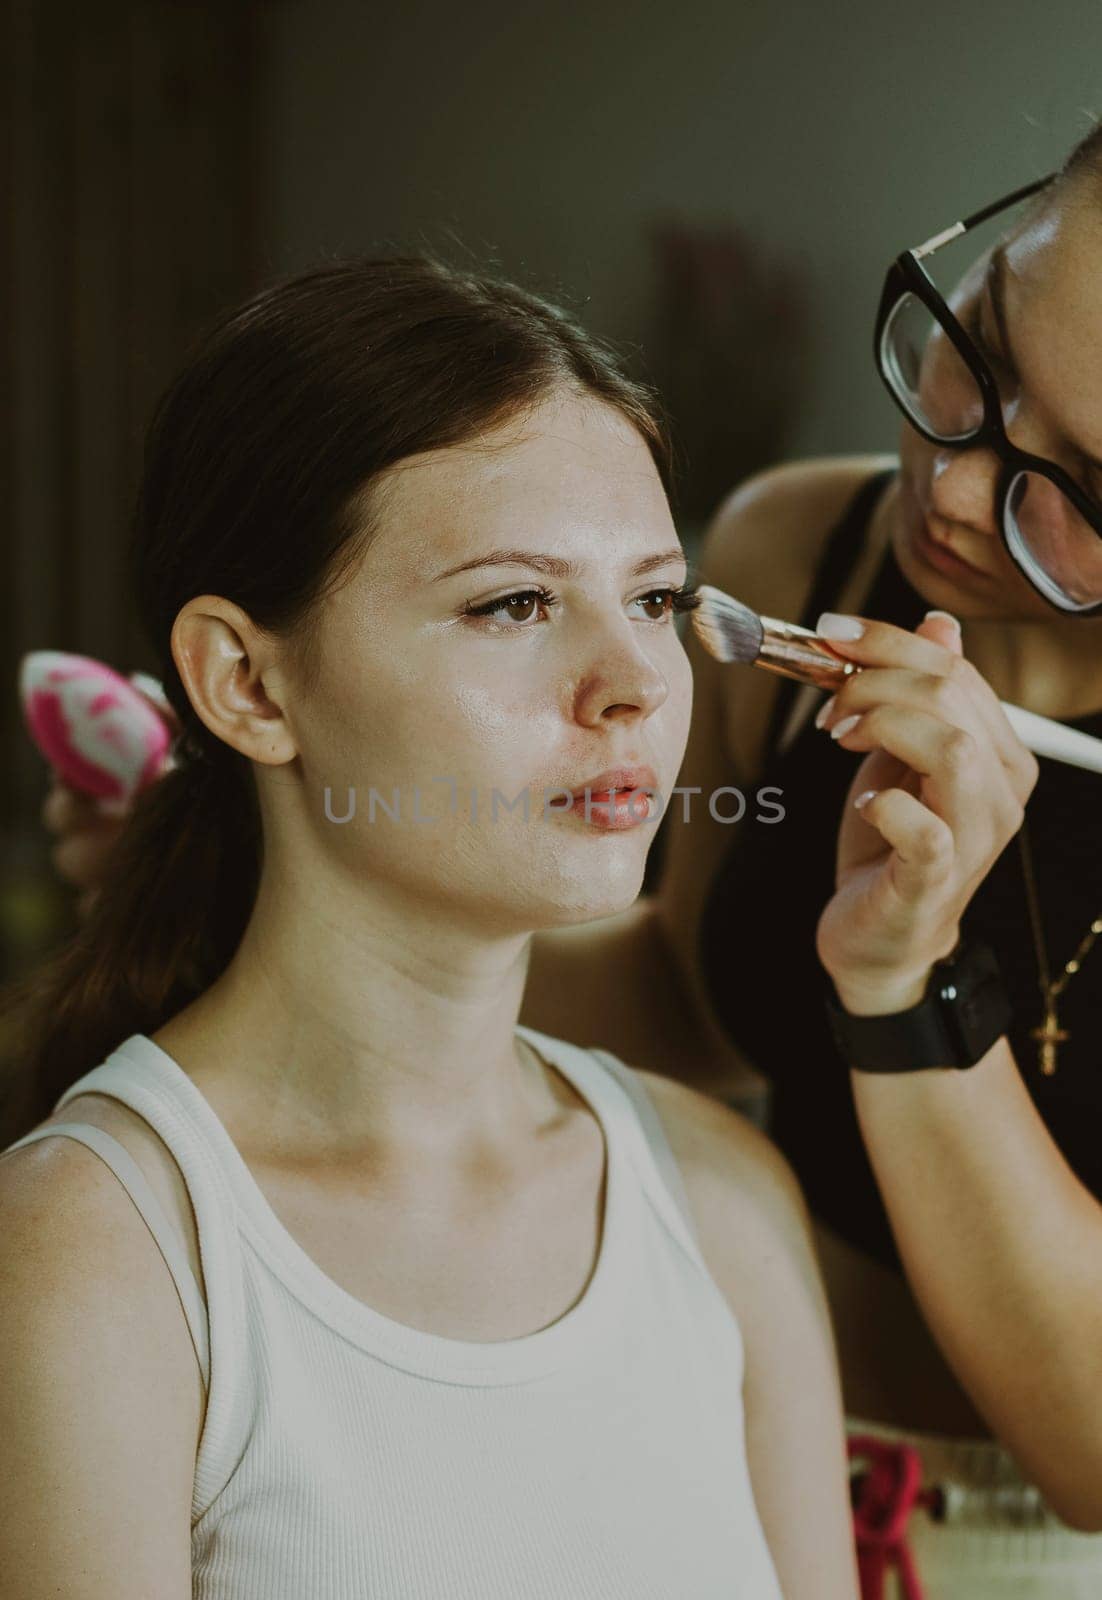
<point x="986" y="1182"/>
<point x="319" y="1275"/>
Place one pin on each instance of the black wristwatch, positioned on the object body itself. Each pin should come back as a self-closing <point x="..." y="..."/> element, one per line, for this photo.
<point x="964" y="1010"/>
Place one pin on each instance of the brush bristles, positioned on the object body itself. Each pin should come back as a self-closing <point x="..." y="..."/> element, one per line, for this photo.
<point x="727" y="629"/>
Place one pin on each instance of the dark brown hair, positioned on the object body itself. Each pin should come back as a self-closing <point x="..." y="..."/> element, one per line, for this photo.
<point x="1087" y="153"/>
<point x="256" y="467"/>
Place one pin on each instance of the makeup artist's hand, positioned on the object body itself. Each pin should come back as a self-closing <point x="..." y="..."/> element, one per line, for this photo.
<point x="938" y="797"/>
<point x="85" y="832"/>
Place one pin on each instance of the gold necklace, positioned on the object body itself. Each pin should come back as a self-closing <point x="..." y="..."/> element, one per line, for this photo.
<point x="1049" y="1035"/>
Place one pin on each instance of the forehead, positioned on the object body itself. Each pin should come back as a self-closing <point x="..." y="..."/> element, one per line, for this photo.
<point x="1053" y="297"/>
<point x="573" y="469"/>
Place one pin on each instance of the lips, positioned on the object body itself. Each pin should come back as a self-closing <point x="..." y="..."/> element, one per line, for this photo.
<point x="948" y="552"/>
<point x="936" y="540"/>
<point x="928" y="535"/>
<point x="617" y="780"/>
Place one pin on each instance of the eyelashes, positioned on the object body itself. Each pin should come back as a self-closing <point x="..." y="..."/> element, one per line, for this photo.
<point x="1085" y="472"/>
<point x="685" y="598"/>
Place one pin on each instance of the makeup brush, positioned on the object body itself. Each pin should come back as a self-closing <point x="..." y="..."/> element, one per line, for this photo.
<point x="733" y="633"/>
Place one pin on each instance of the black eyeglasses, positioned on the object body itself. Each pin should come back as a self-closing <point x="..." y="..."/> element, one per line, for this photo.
<point x="946" y="390"/>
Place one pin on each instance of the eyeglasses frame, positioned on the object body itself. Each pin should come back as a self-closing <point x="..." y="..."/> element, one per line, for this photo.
<point x="907" y="275"/>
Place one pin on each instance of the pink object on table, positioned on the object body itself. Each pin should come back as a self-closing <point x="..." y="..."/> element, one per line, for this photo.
<point x="100" y="735"/>
<point x="888" y="1492"/>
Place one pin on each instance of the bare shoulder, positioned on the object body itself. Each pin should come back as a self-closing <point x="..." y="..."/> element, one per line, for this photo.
<point x="731" y="1169"/>
<point x="764" y="546"/>
<point x="100" y="1398"/>
<point x="79" y="1267"/>
<point x="766" y="537"/>
<point x="152" y="1156"/>
<point x="751" y="1220"/>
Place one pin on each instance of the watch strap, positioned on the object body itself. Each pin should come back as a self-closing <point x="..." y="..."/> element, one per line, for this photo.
<point x="964" y="1010"/>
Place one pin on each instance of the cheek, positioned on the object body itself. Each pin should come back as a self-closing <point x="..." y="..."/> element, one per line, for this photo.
<point x="915" y="457"/>
<point x="496" y="718"/>
<point x="366" y="726"/>
<point x="504" y="734"/>
<point x="675" y="715"/>
<point x="500" y="733"/>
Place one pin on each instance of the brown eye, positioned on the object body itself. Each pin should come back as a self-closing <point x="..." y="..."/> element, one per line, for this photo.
<point x="662" y="599"/>
<point x="516" y="608"/>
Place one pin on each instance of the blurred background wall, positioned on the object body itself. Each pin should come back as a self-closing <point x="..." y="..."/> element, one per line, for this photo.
<point x="554" y="132"/>
<point x="717" y="187"/>
<point x="128" y="172"/>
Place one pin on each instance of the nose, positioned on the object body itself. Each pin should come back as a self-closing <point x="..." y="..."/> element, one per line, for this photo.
<point x="620" y="683"/>
<point x="962" y="487"/>
<point x="963" y="483"/>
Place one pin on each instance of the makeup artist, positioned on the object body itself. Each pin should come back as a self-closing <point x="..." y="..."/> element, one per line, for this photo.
<point x="983" y="1183"/>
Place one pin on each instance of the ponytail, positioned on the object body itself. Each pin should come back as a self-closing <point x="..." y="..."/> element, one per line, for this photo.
<point x="178" y="890"/>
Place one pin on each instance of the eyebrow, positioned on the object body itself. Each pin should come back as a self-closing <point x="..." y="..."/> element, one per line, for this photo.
<point x="997" y="292"/>
<point x="554" y="566"/>
<point x="996" y="288"/>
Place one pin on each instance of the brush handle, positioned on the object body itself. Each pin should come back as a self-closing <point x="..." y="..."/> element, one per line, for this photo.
<point x="1047" y="738"/>
<point x="796" y="652"/>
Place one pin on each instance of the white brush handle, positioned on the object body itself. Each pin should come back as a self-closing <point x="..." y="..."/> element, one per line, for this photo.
<point x="1046" y="738"/>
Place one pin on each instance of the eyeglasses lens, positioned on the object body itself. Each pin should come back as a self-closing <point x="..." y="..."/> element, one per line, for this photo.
<point x="930" y="380"/>
<point x="1053" y="542"/>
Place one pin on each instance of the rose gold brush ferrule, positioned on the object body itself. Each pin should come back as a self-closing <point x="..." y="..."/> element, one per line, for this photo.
<point x="796" y="652"/>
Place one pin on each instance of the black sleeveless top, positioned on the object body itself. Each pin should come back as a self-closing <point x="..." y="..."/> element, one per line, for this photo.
<point x="757" y="950"/>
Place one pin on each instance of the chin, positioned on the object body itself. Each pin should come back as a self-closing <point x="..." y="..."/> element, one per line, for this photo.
<point x="1005" y="597"/>
<point x="598" y="895"/>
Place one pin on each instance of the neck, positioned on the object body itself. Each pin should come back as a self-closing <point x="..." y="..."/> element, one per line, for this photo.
<point x="1044" y="667"/>
<point x="343" y="1022"/>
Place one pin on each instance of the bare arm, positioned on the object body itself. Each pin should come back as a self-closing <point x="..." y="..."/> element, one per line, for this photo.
<point x="1003" y="1247"/>
<point x="755" y="1237"/>
<point x="100" y="1399"/>
<point x="1001" y="1242"/>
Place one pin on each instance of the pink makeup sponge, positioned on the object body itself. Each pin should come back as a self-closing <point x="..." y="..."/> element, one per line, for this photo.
<point x="93" y="726"/>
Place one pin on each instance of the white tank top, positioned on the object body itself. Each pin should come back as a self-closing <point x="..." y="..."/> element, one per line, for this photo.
<point x="345" y="1456"/>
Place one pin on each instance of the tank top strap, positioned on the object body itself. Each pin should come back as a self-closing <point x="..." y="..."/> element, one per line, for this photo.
<point x="133" y="1180"/>
<point x="660" y="1149"/>
<point x="141" y="1076"/>
<point x="842" y="548"/>
<point x="620" y="1096"/>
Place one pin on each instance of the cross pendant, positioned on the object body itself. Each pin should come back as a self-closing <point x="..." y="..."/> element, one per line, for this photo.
<point x="1048" y="1037"/>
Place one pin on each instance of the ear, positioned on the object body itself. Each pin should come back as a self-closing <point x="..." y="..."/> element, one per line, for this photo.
<point x="229" y="669"/>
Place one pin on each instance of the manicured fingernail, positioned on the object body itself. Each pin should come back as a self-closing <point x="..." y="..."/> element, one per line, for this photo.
<point x="840" y="729"/>
<point x="863" y="799"/>
<point x="943" y="616"/>
<point x="833" y="626"/>
<point x="824" y="711"/>
<point x="148" y="685"/>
